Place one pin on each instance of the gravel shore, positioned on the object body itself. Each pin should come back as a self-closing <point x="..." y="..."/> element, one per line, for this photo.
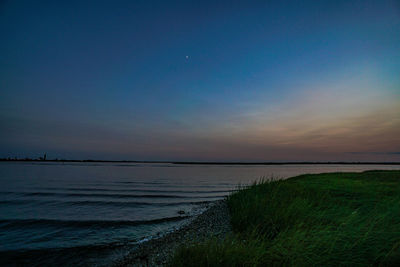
<point x="155" y="252"/>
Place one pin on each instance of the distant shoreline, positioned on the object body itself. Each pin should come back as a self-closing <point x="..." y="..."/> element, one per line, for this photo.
<point x="205" y="162"/>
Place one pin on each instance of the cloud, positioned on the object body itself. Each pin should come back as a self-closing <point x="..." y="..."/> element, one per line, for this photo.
<point x="375" y="153"/>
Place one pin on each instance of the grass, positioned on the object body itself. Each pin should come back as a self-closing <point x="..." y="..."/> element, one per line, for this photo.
<point x="335" y="219"/>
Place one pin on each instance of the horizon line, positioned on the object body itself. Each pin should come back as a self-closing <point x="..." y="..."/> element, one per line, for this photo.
<point x="205" y="162"/>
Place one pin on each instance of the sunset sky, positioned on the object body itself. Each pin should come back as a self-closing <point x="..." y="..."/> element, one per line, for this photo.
<point x="201" y="80"/>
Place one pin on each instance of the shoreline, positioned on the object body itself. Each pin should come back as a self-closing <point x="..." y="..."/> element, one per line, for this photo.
<point x="213" y="222"/>
<point x="327" y="219"/>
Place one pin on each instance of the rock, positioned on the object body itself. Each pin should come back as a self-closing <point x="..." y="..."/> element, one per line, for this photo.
<point x="214" y="221"/>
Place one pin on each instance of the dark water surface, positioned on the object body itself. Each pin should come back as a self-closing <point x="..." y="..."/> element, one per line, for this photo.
<point x="94" y="213"/>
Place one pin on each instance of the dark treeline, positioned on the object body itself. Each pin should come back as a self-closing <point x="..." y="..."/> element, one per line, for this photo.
<point x="203" y="162"/>
<point x="288" y="163"/>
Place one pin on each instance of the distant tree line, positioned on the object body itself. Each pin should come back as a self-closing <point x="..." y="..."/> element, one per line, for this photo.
<point x="44" y="158"/>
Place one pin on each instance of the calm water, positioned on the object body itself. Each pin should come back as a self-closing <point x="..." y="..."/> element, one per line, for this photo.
<point x="94" y="213"/>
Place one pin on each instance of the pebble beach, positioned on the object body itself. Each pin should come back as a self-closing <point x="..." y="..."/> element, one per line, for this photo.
<point x="214" y="222"/>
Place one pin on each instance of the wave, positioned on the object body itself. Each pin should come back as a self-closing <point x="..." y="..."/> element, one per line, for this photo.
<point x="156" y="185"/>
<point x="102" y="203"/>
<point x="14" y="202"/>
<point x="123" y="196"/>
<point x="5" y="224"/>
<point x="127" y="190"/>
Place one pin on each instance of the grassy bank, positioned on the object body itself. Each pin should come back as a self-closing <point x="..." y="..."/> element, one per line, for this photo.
<point x="325" y="220"/>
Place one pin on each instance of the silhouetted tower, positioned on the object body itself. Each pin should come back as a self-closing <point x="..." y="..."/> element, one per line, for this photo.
<point x="43" y="158"/>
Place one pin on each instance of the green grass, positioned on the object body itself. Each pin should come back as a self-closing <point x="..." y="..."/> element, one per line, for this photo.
<point x="335" y="219"/>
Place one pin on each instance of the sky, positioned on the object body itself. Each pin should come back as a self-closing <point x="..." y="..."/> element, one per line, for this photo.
<point x="200" y="80"/>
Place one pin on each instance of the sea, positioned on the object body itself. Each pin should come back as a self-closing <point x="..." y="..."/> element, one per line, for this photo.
<point x="93" y="214"/>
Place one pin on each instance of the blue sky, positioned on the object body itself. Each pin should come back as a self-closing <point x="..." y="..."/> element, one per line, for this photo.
<point x="201" y="80"/>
